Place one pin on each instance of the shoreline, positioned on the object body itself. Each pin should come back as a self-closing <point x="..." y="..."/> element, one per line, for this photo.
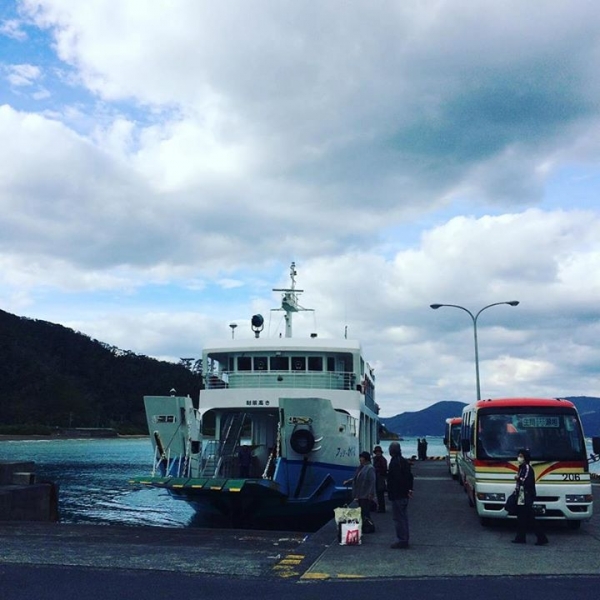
<point x="24" y="438"/>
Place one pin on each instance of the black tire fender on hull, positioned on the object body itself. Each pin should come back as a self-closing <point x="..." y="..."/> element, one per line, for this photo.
<point x="302" y="441"/>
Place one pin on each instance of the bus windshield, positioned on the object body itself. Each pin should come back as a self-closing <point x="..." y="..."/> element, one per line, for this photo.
<point x="548" y="434"/>
<point x="455" y="436"/>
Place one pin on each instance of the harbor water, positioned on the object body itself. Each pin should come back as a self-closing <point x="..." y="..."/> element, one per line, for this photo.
<point x="93" y="477"/>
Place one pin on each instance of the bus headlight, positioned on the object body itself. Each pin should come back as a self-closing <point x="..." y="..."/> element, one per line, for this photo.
<point x="578" y="498"/>
<point x="489" y="496"/>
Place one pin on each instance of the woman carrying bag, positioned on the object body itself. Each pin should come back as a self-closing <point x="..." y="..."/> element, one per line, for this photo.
<point x="525" y="492"/>
<point x="363" y="489"/>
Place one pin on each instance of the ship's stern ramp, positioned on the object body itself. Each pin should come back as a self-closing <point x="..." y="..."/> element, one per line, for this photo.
<point x="174" y="430"/>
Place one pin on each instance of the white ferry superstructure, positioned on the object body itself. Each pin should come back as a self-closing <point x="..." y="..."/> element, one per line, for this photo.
<point x="277" y="429"/>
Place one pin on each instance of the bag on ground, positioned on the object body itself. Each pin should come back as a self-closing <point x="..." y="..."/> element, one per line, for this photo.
<point x="368" y="526"/>
<point x="350" y="534"/>
<point x="344" y="514"/>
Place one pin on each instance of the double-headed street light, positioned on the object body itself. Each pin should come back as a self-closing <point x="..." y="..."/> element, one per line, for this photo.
<point x="474" y="319"/>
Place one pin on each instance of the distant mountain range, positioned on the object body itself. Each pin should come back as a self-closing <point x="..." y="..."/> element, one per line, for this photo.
<point x="431" y="420"/>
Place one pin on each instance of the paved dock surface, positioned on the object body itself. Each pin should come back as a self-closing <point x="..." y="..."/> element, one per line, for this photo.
<point x="447" y="540"/>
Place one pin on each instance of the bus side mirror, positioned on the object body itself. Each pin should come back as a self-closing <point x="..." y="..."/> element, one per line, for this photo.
<point x="596" y="445"/>
<point x="465" y="445"/>
<point x="445" y="441"/>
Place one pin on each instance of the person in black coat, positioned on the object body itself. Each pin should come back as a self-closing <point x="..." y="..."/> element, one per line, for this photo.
<point x="380" y="466"/>
<point x="525" y="492"/>
<point x="400" y="489"/>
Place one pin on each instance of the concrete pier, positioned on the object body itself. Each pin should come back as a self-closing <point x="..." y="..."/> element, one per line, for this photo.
<point x="447" y="540"/>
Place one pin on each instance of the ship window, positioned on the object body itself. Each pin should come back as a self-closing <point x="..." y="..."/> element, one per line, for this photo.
<point x="330" y="364"/>
<point x="260" y="363"/>
<point x="280" y="363"/>
<point x="244" y="363"/>
<point x="299" y="363"/>
<point x="164" y="419"/>
<point x="315" y="363"/>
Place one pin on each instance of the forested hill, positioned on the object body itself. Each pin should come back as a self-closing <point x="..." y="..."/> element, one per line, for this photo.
<point x="53" y="376"/>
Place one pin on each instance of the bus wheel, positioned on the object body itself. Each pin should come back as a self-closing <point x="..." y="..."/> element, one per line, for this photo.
<point x="470" y="499"/>
<point x="574" y="525"/>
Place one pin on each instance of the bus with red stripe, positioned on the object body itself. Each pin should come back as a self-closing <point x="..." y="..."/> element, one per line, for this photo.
<point x="493" y="432"/>
<point x="452" y="443"/>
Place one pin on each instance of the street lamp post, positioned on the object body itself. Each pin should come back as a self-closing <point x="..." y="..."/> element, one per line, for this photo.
<point x="474" y="318"/>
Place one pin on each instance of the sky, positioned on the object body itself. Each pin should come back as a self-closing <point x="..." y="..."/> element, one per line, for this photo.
<point x="162" y="164"/>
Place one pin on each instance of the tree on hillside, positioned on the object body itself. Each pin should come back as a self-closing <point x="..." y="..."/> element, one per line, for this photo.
<point x="54" y="376"/>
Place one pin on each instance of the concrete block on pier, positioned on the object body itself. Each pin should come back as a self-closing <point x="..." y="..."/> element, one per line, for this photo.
<point x="23" y="478"/>
<point x="35" y="502"/>
<point x="9" y="467"/>
<point x="22" y="498"/>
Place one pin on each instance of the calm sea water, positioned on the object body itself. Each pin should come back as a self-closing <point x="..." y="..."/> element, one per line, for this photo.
<point x="93" y="476"/>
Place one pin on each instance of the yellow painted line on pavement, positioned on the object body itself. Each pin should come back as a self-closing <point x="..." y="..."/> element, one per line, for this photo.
<point x="290" y="561"/>
<point x="321" y="576"/>
<point x="286" y="566"/>
<point x="286" y="572"/>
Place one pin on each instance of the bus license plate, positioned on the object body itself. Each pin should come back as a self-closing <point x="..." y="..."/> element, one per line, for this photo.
<point x="539" y="509"/>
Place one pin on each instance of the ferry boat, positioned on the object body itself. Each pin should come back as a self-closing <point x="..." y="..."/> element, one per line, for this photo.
<point x="278" y="426"/>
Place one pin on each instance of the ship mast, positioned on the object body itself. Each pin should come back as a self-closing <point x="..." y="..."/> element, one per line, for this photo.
<point x="289" y="301"/>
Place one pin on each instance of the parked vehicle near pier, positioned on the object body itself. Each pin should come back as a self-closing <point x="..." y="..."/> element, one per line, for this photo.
<point x="452" y="443"/>
<point x="277" y="429"/>
<point x="492" y="433"/>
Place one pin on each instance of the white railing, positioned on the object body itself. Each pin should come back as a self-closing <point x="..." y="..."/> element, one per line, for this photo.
<point x="334" y="380"/>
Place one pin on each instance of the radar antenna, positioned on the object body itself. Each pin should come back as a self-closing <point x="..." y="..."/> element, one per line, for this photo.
<point x="289" y="301"/>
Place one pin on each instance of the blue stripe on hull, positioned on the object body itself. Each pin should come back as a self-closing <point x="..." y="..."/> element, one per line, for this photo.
<point x="298" y="488"/>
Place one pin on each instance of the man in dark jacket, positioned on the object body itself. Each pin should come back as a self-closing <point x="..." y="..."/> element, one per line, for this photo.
<point x="380" y="466"/>
<point x="400" y="489"/>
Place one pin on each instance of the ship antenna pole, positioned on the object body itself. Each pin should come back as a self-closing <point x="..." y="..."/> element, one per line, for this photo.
<point x="289" y="301"/>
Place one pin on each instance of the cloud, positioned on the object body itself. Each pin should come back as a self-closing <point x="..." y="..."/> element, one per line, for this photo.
<point x="446" y="99"/>
<point x="22" y="75"/>
<point x="12" y="28"/>
<point x="546" y="346"/>
<point x="181" y="154"/>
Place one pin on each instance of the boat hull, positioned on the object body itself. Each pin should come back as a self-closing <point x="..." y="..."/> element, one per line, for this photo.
<point x="243" y="501"/>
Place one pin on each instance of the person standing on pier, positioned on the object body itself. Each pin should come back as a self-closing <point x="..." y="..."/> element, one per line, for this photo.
<point x="525" y="491"/>
<point x="363" y="485"/>
<point x="400" y="482"/>
<point x="380" y="465"/>
<point x="422" y="448"/>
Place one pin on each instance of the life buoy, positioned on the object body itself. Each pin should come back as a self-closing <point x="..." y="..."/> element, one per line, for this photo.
<point x="302" y="441"/>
